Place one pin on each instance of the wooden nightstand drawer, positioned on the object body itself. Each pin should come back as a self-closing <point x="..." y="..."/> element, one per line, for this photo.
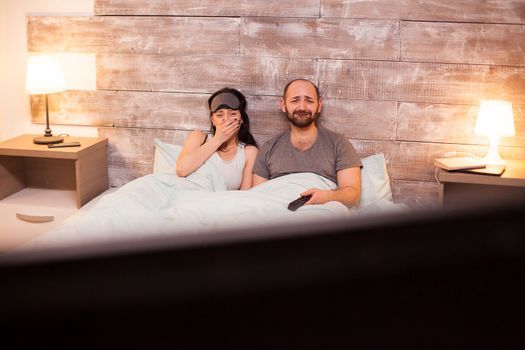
<point x="26" y="164"/>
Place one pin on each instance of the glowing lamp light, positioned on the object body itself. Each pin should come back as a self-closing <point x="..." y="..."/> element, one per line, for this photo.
<point x="44" y="76"/>
<point x="495" y="120"/>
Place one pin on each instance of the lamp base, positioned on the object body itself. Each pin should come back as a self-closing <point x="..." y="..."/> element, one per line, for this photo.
<point x="493" y="157"/>
<point x="47" y="140"/>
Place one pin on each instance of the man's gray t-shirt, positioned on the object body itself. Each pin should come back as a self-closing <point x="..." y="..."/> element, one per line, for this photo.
<point x="330" y="153"/>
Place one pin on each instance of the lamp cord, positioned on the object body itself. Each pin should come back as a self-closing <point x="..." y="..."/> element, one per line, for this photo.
<point x="436" y="176"/>
<point x="455" y="154"/>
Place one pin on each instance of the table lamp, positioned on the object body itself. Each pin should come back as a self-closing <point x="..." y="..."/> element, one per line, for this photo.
<point x="495" y="120"/>
<point x="44" y="76"/>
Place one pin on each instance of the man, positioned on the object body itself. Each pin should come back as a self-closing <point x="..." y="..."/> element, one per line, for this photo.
<point x="307" y="147"/>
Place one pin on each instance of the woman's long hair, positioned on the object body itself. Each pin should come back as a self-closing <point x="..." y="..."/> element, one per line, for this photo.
<point x="244" y="135"/>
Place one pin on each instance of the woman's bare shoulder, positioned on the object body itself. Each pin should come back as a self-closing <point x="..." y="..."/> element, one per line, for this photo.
<point x="250" y="149"/>
<point x="197" y="135"/>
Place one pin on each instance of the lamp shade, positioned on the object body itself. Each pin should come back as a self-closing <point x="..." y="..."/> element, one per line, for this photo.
<point x="44" y="76"/>
<point x="495" y="119"/>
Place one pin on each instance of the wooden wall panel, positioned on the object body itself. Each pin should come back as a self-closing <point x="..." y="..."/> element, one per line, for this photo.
<point x="359" y="119"/>
<point x="450" y="124"/>
<point x="416" y="194"/>
<point x="265" y="115"/>
<point x="137" y="109"/>
<point x="147" y="35"/>
<point x="472" y="43"/>
<point x="421" y="82"/>
<point x="405" y="160"/>
<point x="203" y="74"/>
<point x="289" y="8"/>
<point x="188" y="111"/>
<point x="136" y="146"/>
<point x="269" y="75"/>
<point x="352" y="118"/>
<point x="150" y="110"/>
<point x="320" y="38"/>
<point x="153" y="110"/>
<point x="494" y="11"/>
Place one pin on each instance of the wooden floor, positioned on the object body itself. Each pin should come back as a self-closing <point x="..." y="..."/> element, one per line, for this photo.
<point x="32" y="201"/>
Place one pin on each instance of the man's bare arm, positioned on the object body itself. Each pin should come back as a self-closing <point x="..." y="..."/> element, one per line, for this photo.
<point x="348" y="191"/>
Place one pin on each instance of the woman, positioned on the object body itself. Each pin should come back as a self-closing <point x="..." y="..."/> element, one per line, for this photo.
<point x="231" y="147"/>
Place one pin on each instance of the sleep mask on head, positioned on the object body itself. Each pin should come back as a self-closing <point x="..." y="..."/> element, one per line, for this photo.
<point x="224" y="100"/>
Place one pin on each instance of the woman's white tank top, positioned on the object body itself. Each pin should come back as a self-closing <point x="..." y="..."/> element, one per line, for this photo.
<point x="232" y="170"/>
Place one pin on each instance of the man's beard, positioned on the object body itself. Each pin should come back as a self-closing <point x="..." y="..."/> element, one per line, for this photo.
<point x="301" y="118"/>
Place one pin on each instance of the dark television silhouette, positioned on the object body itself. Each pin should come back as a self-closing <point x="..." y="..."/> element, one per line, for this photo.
<point x="427" y="280"/>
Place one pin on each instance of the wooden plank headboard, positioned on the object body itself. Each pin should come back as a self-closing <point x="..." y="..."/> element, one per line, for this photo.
<point x="402" y="78"/>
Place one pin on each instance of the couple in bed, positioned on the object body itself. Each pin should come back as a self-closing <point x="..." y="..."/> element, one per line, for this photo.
<point x="305" y="147"/>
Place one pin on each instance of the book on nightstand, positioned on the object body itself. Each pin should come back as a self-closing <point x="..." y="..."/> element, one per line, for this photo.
<point x="459" y="163"/>
<point x="490" y="169"/>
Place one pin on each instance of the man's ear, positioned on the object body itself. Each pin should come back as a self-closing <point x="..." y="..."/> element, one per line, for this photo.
<point x="283" y="105"/>
<point x="320" y="106"/>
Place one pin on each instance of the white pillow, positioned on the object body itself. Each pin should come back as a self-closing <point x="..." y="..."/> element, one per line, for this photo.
<point x="375" y="184"/>
<point x="165" y="156"/>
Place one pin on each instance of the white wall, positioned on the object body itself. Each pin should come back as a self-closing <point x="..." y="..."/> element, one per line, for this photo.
<point x="3" y="67"/>
<point x="15" y="115"/>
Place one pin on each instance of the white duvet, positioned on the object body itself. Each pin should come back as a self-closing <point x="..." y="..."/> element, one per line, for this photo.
<point x="164" y="204"/>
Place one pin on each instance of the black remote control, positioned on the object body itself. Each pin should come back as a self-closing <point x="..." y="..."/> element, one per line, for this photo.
<point x="299" y="202"/>
<point x="64" y="144"/>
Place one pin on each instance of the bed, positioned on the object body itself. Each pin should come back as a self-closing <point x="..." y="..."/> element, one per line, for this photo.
<point x="163" y="204"/>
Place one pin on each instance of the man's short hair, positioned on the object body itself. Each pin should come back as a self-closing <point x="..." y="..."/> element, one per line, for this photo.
<point x="301" y="79"/>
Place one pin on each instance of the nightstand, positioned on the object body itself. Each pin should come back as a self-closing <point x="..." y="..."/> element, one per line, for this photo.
<point x="83" y="169"/>
<point x="458" y="187"/>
